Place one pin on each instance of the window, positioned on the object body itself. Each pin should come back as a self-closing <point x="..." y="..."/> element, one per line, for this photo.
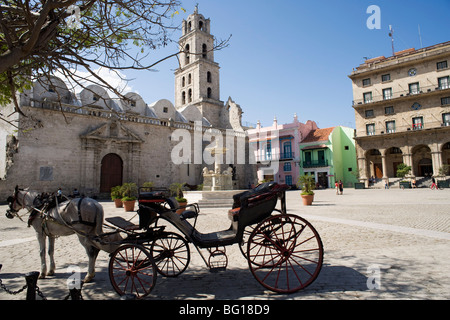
<point x="366" y="82"/>
<point x="208" y="77"/>
<point x="165" y="110"/>
<point x="209" y="93"/>
<point x="183" y="81"/>
<point x="389" y="110"/>
<point x="287" y="150"/>
<point x="370" y="129"/>
<point x="417" y="123"/>
<point x="443" y="83"/>
<point x="189" y="78"/>
<point x="288" y="180"/>
<point x="387" y="93"/>
<point x="385" y="77"/>
<point x="445" y="101"/>
<point x="95" y="97"/>
<point x="204" y="51"/>
<point x="369" y="113"/>
<point x="414" y="88"/>
<point x="186" y="49"/>
<point x="441" y="65"/>
<point x="183" y="97"/>
<point x="190" y="95"/>
<point x="269" y="150"/>
<point x="287" y="166"/>
<point x="346" y="148"/>
<point x="367" y="97"/>
<point x="446" y="119"/>
<point x="51" y="88"/>
<point x="390" y="126"/>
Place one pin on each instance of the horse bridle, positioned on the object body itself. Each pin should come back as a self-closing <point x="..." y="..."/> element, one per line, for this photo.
<point x="12" y="200"/>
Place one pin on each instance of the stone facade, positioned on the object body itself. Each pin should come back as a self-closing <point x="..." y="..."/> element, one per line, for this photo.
<point x="91" y="142"/>
<point x="402" y="112"/>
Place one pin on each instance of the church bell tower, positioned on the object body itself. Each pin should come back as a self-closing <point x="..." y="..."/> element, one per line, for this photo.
<point x="197" y="80"/>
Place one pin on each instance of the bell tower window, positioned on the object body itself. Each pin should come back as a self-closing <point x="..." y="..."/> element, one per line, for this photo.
<point x="204" y="51"/>
<point x="209" y="92"/>
<point x="186" y="52"/>
<point x="208" y="77"/>
<point x="183" y="97"/>
<point x="190" y="95"/>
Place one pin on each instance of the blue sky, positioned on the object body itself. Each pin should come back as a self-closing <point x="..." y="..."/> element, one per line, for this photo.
<point x="291" y="56"/>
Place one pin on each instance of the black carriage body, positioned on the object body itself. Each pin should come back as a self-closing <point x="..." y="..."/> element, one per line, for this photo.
<point x="249" y="208"/>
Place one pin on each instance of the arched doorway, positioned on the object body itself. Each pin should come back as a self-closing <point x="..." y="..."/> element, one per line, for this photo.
<point x="423" y="165"/>
<point x="374" y="163"/>
<point x="111" y="172"/>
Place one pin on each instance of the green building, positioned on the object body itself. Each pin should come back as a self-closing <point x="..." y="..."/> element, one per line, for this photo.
<point x="329" y="154"/>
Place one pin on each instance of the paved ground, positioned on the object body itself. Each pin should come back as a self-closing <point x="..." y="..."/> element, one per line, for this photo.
<point x="403" y="233"/>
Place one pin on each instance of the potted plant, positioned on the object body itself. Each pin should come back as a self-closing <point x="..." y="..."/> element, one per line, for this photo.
<point x="402" y="171"/>
<point x="129" y="191"/>
<point x="307" y="184"/>
<point x="116" y="196"/>
<point x="177" y="191"/>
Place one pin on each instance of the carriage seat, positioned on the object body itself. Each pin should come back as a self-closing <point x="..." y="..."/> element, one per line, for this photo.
<point x="256" y="197"/>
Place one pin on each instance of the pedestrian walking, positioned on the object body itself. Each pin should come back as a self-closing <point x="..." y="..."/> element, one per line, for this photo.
<point x="433" y="183"/>
<point x="336" y="185"/>
<point x="341" y="187"/>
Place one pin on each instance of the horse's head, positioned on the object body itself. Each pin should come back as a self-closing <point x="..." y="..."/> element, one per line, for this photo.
<point x="15" y="203"/>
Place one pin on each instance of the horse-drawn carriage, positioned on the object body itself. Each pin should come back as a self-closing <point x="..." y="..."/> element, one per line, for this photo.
<point x="284" y="251"/>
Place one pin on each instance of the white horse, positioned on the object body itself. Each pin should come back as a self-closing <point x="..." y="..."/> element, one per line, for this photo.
<point x="83" y="216"/>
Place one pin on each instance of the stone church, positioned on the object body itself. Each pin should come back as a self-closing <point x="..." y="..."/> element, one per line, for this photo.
<point x="92" y="142"/>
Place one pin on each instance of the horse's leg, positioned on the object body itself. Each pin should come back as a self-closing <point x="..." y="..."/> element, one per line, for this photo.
<point x="41" y="239"/>
<point x="92" y="253"/>
<point x="51" y="249"/>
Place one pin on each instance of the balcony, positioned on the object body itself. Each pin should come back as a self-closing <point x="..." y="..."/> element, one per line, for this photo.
<point x="399" y="128"/>
<point x="399" y="94"/>
<point x="283" y="156"/>
<point x="315" y="163"/>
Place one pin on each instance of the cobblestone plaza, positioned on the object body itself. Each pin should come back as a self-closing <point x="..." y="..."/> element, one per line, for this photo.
<point x="379" y="244"/>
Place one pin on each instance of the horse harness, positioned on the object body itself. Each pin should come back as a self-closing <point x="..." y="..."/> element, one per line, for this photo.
<point x="42" y="205"/>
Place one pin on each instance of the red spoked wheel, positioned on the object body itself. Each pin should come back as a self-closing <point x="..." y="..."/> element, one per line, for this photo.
<point x="132" y="271"/>
<point x="285" y="253"/>
<point x="171" y="254"/>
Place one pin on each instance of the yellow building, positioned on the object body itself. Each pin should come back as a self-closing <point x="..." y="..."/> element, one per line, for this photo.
<point x="402" y="112"/>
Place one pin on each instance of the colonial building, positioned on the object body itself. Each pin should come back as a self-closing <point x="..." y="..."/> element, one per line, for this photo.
<point x="402" y="112"/>
<point x="276" y="149"/>
<point x="92" y="142"/>
<point x="283" y="152"/>
<point x="329" y="155"/>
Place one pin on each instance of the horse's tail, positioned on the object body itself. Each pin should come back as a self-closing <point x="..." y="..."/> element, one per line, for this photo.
<point x="99" y="216"/>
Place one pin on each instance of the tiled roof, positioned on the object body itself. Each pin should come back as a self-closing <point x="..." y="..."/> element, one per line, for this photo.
<point x="318" y="135"/>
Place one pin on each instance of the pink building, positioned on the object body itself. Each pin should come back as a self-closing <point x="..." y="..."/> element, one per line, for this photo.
<point x="276" y="149"/>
